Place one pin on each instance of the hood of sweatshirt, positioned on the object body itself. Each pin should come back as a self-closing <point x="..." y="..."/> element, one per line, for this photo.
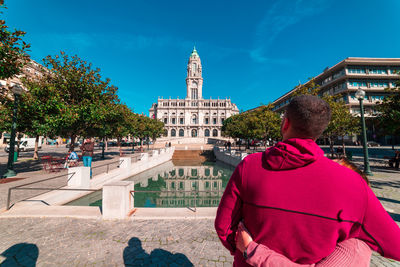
<point x="291" y="154"/>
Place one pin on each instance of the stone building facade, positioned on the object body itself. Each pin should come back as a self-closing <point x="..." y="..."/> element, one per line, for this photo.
<point x="193" y="116"/>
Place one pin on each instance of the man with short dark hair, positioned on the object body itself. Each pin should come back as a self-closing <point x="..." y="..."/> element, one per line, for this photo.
<point x="299" y="203"/>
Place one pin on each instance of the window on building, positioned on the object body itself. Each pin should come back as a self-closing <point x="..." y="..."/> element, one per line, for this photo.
<point x="357" y="84"/>
<point x="173" y="120"/>
<point x="214" y="120"/>
<point x="194" y="133"/>
<point x="194" y="93"/>
<point x="181" y="132"/>
<point x="165" y="120"/>
<point x="379" y="84"/>
<point x="394" y="71"/>
<point x="215" y="132"/>
<point x="194" y="119"/>
<point x="222" y="120"/>
<point x="377" y="97"/>
<point x="194" y="185"/>
<point x="355" y="70"/>
<point x="181" y="172"/>
<point x="206" y="121"/>
<point x="207" y="132"/>
<point x="173" y="132"/>
<point x="207" y="172"/>
<point x="181" y="120"/>
<point x="377" y="71"/>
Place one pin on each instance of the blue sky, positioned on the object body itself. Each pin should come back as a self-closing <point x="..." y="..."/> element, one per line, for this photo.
<point x="252" y="51"/>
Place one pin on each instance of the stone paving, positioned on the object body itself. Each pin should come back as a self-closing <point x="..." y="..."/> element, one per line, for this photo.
<point x="88" y="242"/>
<point x="75" y="242"/>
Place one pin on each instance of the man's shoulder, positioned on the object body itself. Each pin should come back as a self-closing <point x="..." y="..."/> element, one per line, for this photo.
<point x="255" y="157"/>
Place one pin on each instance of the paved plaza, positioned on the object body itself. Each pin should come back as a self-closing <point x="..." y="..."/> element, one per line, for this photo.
<point x="158" y="242"/>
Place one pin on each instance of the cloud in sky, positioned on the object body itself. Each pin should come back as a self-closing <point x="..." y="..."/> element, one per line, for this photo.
<point x="281" y="15"/>
<point x="135" y="42"/>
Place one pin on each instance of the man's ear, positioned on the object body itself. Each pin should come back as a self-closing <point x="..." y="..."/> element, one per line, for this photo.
<point x="286" y="124"/>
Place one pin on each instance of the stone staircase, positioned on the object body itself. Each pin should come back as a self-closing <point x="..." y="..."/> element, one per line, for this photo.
<point x="191" y="157"/>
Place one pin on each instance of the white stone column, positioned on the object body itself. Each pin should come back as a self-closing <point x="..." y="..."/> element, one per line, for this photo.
<point x="79" y="177"/>
<point x="125" y="164"/>
<point x="117" y="199"/>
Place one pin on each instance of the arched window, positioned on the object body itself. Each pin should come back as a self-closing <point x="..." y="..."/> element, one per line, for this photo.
<point x="173" y="132"/>
<point x="194" y="119"/>
<point x="194" y="133"/>
<point x="181" y="132"/>
<point x="207" y="132"/>
<point x="215" y="132"/>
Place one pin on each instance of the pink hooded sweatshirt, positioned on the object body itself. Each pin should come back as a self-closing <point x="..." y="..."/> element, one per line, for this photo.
<point x="299" y="203"/>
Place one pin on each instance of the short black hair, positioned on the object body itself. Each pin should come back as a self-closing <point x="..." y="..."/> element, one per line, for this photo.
<point x="309" y="115"/>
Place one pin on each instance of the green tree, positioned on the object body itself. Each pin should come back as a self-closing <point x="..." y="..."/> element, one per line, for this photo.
<point x="87" y="98"/>
<point x="13" y="51"/>
<point x="156" y="129"/>
<point x="13" y="55"/>
<point x="40" y="110"/>
<point x="342" y="122"/>
<point x="261" y="123"/>
<point x="389" y="116"/>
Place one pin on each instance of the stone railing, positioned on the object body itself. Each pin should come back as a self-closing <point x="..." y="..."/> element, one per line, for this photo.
<point x="229" y="156"/>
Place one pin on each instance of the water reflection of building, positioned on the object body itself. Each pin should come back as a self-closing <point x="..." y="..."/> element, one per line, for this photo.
<point x="186" y="184"/>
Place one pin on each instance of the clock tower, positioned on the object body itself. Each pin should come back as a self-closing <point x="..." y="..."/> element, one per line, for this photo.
<point x="194" y="80"/>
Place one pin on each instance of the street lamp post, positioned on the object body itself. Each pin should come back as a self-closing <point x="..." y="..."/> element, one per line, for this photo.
<point x="360" y="94"/>
<point x="17" y="90"/>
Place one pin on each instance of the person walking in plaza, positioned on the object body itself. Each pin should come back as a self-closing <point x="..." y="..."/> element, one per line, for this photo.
<point x="299" y="203"/>
<point x="87" y="154"/>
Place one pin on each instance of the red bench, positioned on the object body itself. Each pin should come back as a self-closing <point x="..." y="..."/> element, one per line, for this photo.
<point x="52" y="164"/>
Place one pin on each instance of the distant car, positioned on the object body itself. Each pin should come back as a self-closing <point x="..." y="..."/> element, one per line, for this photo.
<point x="75" y="145"/>
<point x="100" y="144"/>
<point x="126" y="143"/>
<point x="112" y="143"/>
<point x="372" y="144"/>
<point x="51" y="142"/>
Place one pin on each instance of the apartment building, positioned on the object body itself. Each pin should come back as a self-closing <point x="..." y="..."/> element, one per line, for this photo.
<point x="373" y="75"/>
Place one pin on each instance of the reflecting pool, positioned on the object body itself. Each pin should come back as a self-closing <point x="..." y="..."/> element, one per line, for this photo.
<point x="174" y="186"/>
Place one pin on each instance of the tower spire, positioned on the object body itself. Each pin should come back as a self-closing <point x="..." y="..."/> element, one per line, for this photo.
<point x="194" y="79"/>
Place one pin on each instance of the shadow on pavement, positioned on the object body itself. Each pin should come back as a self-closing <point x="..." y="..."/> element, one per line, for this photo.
<point x="389" y="200"/>
<point x="135" y="255"/>
<point x="378" y="184"/>
<point x="395" y="216"/>
<point x="22" y="254"/>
